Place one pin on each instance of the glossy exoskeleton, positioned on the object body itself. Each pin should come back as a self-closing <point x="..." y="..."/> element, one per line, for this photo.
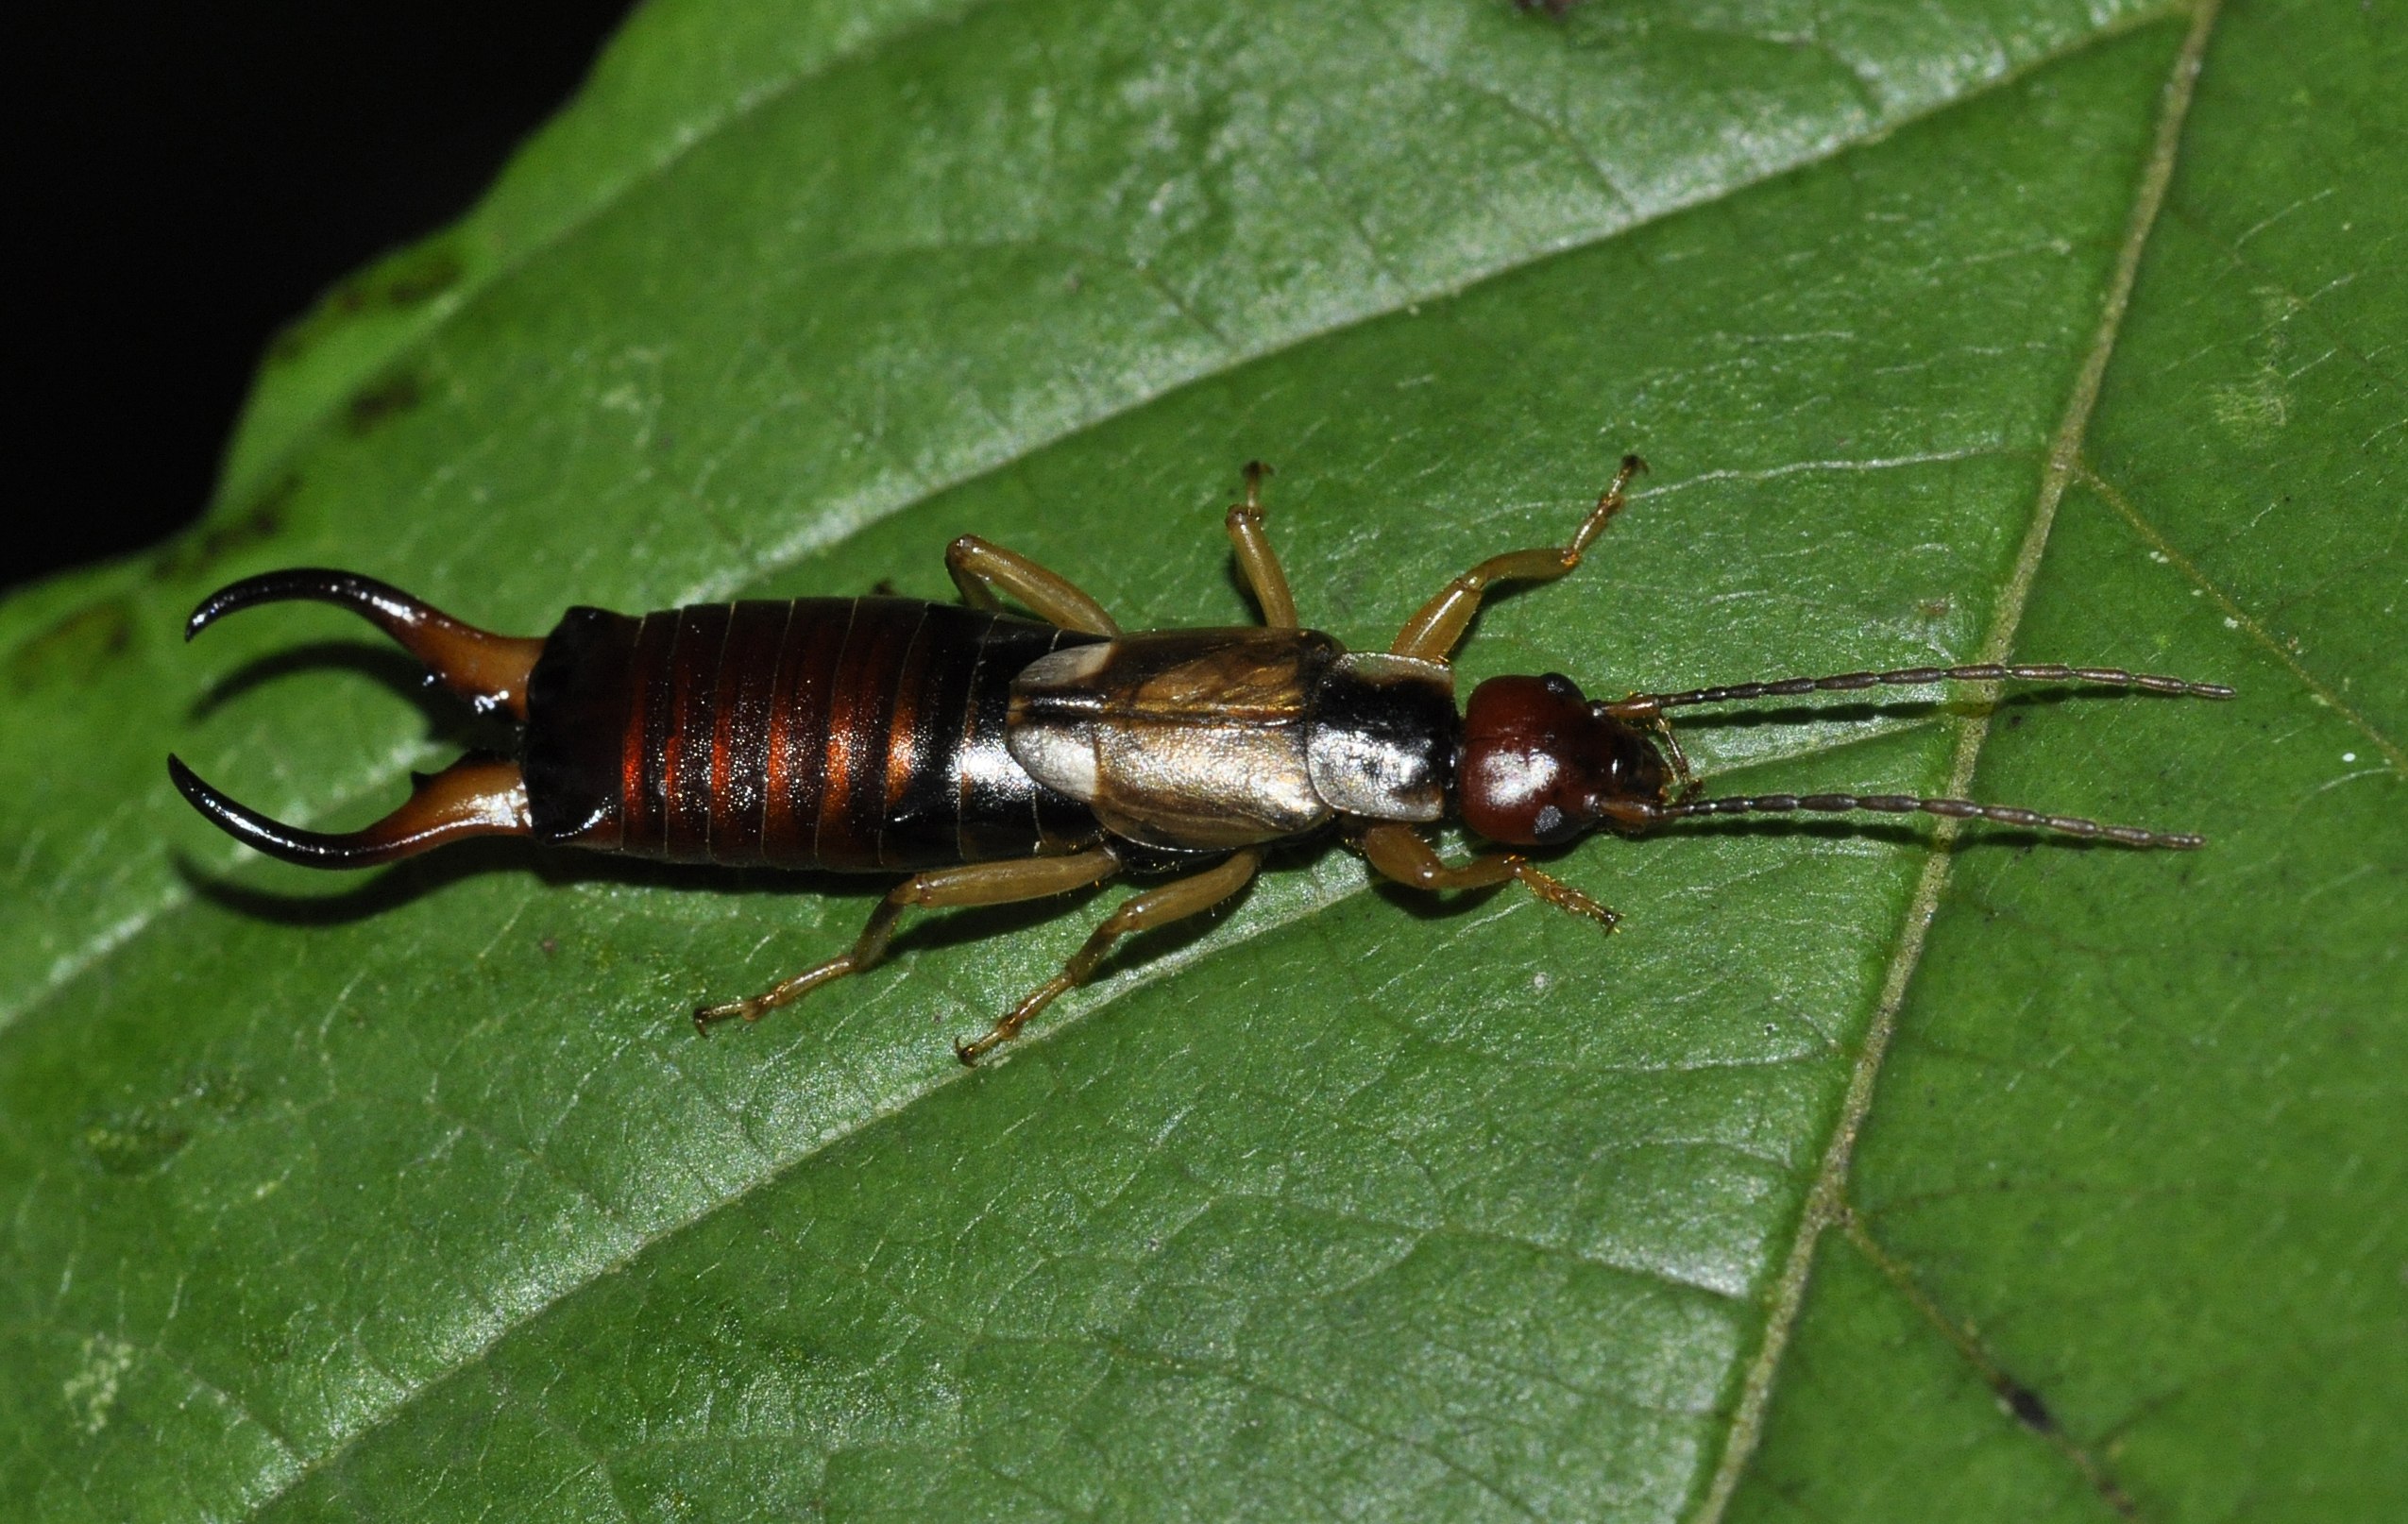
<point x="995" y="758"/>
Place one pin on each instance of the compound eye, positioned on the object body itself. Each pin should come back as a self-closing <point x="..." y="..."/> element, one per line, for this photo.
<point x="1551" y="825"/>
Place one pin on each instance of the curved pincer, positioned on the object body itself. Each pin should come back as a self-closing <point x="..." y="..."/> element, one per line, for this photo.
<point x="478" y="795"/>
<point x="487" y="669"/>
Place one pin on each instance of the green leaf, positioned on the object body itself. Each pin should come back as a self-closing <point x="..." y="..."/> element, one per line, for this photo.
<point x="2144" y="1152"/>
<point x="1971" y="329"/>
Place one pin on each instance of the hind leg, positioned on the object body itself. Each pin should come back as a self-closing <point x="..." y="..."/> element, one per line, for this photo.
<point x="986" y="883"/>
<point x="983" y="572"/>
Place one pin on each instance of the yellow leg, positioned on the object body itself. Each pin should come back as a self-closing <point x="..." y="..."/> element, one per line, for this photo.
<point x="1673" y="754"/>
<point x="986" y="883"/>
<point x="1174" y="900"/>
<point x="1255" y="557"/>
<point x="1433" y="634"/>
<point x="984" y="571"/>
<point x="1397" y="852"/>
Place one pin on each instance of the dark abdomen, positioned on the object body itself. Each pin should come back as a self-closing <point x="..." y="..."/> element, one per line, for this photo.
<point x="843" y="732"/>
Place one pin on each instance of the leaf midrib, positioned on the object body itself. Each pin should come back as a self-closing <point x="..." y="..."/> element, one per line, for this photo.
<point x="1826" y="1199"/>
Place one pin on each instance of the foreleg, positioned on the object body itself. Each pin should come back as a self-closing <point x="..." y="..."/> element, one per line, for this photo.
<point x="1433" y="634"/>
<point x="1399" y="853"/>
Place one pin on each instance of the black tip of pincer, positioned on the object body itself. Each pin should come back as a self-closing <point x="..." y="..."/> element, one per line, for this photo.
<point x="381" y="602"/>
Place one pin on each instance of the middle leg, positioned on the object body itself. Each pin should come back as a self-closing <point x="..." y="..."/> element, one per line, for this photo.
<point x="984" y="571"/>
<point x="1255" y="557"/>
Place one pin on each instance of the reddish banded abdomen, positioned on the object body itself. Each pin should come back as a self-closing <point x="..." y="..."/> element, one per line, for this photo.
<point x="824" y="733"/>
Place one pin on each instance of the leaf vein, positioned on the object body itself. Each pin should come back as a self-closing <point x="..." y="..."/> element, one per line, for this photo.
<point x="1826" y="1203"/>
<point x="2322" y="691"/>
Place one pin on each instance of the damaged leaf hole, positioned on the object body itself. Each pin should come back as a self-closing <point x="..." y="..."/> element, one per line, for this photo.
<point x="213" y="541"/>
<point x="76" y="649"/>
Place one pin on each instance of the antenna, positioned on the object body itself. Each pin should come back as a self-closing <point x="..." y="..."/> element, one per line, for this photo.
<point x="1646" y="706"/>
<point x="1961" y="809"/>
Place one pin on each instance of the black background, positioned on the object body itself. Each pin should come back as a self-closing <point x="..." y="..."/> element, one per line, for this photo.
<point x="187" y="177"/>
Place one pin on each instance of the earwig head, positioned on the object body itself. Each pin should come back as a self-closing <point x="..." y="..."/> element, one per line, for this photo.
<point x="1541" y="765"/>
<point x="475" y="796"/>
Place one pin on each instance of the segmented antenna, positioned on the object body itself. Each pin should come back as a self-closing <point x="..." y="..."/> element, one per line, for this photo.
<point x="1640" y="705"/>
<point x="1961" y="809"/>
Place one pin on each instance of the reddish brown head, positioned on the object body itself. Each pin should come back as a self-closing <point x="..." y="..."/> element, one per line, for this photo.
<point x="1542" y="765"/>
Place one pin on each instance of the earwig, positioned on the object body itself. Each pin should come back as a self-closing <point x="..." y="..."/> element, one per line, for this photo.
<point x="993" y="758"/>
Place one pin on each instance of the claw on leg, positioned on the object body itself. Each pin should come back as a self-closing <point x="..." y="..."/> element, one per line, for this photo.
<point x="1562" y="896"/>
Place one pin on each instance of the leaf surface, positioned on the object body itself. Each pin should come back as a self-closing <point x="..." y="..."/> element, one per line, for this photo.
<point x="2137" y="1162"/>
<point x="416" y="1196"/>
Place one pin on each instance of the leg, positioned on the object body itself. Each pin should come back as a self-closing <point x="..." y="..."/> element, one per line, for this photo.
<point x="984" y="571"/>
<point x="1173" y="900"/>
<point x="1255" y="557"/>
<point x="1397" y="852"/>
<point x="1432" y="633"/>
<point x="986" y="883"/>
<point x="1673" y="754"/>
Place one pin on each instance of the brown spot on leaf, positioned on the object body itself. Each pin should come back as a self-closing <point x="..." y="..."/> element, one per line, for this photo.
<point x="214" y="540"/>
<point x="406" y="280"/>
<point x="75" y="648"/>
<point x="421" y="275"/>
<point x="131" y="1143"/>
<point x="141" y="1140"/>
<point x="382" y="400"/>
<point x="2026" y="1405"/>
